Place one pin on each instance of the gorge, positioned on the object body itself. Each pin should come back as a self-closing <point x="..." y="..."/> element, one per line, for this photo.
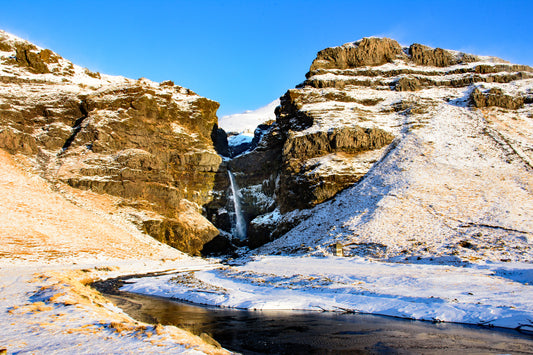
<point x="159" y="150"/>
<point x="417" y="161"/>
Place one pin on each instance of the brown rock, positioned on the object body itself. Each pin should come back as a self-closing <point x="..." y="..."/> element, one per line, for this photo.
<point x="188" y="232"/>
<point x="366" y="52"/>
<point x="135" y="141"/>
<point x="436" y="57"/>
<point x="36" y="62"/>
<point x="346" y="139"/>
<point x="407" y="84"/>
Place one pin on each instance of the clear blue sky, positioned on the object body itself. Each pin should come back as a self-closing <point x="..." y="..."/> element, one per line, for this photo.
<point x="245" y="54"/>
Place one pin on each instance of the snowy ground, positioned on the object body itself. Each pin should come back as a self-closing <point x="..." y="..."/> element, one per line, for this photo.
<point x="49" y="309"/>
<point x="495" y="294"/>
<point x="51" y="246"/>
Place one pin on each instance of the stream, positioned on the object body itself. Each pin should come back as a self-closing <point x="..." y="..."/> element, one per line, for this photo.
<point x="307" y="332"/>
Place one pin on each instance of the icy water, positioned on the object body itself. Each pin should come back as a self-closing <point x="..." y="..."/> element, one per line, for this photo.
<point x="291" y="332"/>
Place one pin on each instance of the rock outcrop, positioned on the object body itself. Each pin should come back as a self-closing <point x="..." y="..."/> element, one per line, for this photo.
<point x="496" y="97"/>
<point x="152" y="145"/>
<point x="358" y="102"/>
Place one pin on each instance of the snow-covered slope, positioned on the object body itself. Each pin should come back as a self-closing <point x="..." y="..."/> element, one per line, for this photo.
<point x="248" y="121"/>
<point x="446" y="192"/>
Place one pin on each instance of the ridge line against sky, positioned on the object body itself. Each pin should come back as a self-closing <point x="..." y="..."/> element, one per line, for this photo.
<point x="245" y="54"/>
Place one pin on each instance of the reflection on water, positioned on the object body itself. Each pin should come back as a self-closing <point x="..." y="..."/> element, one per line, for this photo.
<point x="290" y="332"/>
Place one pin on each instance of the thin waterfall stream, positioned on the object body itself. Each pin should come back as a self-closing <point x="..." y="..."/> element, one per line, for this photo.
<point x="240" y="223"/>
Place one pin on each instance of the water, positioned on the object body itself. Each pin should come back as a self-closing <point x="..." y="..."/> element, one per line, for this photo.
<point x="240" y="223"/>
<point x="291" y="332"/>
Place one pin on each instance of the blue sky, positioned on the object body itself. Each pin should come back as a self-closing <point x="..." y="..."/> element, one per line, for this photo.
<point x="245" y="54"/>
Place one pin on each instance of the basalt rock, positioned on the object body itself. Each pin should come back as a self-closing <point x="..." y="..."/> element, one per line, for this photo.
<point x="435" y="57"/>
<point x="407" y="84"/>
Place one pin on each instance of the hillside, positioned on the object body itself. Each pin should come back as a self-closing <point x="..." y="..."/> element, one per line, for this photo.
<point x="397" y="153"/>
<point x="69" y="138"/>
<point x="51" y="246"/>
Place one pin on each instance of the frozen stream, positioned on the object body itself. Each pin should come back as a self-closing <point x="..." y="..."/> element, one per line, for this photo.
<point x="301" y="332"/>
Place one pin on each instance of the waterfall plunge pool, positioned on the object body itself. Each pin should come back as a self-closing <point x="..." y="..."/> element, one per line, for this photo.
<point x="307" y="332"/>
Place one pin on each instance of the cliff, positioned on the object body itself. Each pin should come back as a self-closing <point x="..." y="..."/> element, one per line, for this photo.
<point x="150" y="144"/>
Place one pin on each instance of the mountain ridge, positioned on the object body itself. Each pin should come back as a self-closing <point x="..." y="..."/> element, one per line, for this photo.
<point x="361" y="105"/>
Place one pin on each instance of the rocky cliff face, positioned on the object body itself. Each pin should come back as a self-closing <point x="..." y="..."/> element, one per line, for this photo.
<point x="359" y="103"/>
<point x="386" y="149"/>
<point x="149" y="144"/>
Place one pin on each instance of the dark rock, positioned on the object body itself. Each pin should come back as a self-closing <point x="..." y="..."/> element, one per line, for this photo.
<point x="288" y="115"/>
<point x="239" y="149"/>
<point x="345" y="139"/>
<point x="220" y="245"/>
<point x="264" y="231"/>
<point x="220" y="141"/>
<point x="259" y="234"/>
<point x="259" y="133"/>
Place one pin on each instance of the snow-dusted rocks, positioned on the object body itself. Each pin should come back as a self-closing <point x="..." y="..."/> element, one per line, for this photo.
<point x="149" y="144"/>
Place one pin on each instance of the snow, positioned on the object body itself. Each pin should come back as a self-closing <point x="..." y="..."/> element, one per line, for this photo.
<point x="46" y="310"/>
<point x="246" y="122"/>
<point x="268" y="218"/>
<point x="243" y="138"/>
<point x="179" y="130"/>
<point x="492" y="294"/>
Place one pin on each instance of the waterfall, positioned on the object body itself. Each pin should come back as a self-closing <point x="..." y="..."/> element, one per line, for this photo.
<point x="240" y="224"/>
